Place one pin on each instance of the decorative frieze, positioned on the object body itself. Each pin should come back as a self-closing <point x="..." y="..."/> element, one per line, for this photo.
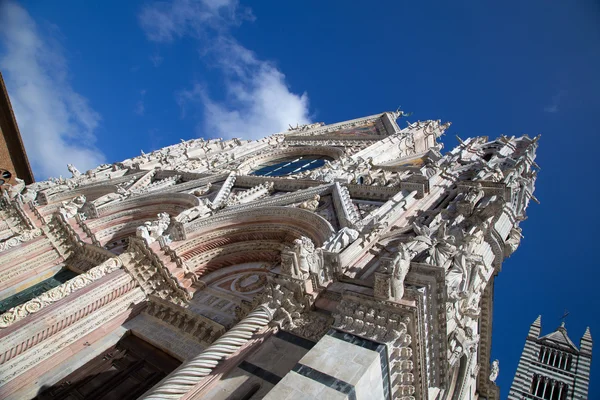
<point x="22" y="238"/>
<point x="53" y="295"/>
<point x="36" y="355"/>
<point x="200" y="328"/>
<point x="72" y="310"/>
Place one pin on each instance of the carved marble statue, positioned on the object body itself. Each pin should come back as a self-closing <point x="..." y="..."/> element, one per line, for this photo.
<point x="203" y="190"/>
<point x="400" y="267"/>
<point x="474" y="194"/>
<point x="304" y="127"/>
<point x="201" y="210"/>
<point x="513" y="241"/>
<point x="71" y="208"/>
<point x="109" y="198"/>
<point x="341" y="240"/>
<point x="312" y="204"/>
<point x="73" y="170"/>
<point x="463" y="262"/>
<point x="152" y="230"/>
<point x="495" y="370"/>
<point x="16" y="189"/>
<point x="302" y="258"/>
<point x="303" y="248"/>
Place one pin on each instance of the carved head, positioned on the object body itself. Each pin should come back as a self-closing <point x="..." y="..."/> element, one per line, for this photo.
<point x="164" y="217"/>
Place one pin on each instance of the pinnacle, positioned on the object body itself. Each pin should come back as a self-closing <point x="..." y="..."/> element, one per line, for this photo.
<point x="538" y="321"/>
<point x="587" y="335"/>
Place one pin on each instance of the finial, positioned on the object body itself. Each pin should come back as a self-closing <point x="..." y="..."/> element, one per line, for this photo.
<point x="563" y="318"/>
<point x="399" y="113"/>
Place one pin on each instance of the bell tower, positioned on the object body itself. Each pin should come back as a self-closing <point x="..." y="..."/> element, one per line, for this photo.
<point x="552" y="367"/>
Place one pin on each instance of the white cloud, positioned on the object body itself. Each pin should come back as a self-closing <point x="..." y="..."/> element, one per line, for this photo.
<point x="164" y="21"/>
<point x="156" y="59"/>
<point x="140" y="108"/>
<point x="258" y="101"/>
<point x="553" y="107"/>
<point x="56" y="123"/>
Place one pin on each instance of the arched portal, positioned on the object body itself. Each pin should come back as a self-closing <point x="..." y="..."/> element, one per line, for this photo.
<point x="119" y="220"/>
<point x="247" y="236"/>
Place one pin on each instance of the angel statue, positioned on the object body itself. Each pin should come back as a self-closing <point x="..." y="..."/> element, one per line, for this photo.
<point x="495" y="370"/>
<point x="74" y="171"/>
<point x="400" y="266"/>
<point x="152" y="230"/>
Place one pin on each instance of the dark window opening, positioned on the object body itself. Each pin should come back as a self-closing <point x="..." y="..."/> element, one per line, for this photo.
<point x="289" y="165"/>
<point x="25" y="295"/>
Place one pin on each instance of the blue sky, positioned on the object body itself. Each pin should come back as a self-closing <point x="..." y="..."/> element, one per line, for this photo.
<point x="100" y="81"/>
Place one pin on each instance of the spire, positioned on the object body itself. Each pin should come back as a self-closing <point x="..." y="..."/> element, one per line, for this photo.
<point x="535" y="328"/>
<point x="585" y="343"/>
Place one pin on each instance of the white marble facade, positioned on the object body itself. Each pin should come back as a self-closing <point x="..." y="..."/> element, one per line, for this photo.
<point x="351" y="260"/>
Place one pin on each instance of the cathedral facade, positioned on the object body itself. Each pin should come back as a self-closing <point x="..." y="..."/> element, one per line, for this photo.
<point x="343" y="261"/>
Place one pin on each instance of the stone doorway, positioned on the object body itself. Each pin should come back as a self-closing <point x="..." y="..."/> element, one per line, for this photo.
<point x="124" y="371"/>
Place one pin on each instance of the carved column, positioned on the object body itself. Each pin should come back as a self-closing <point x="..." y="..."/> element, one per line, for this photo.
<point x="182" y="380"/>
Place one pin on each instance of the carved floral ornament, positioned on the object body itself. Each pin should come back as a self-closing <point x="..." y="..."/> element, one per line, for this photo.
<point x="384" y="324"/>
<point x="22" y="238"/>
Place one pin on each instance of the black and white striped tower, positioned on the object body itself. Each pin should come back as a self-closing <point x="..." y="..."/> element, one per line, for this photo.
<point x="552" y="367"/>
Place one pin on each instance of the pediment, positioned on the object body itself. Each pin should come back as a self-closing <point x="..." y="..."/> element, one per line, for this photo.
<point x="375" y="127"/>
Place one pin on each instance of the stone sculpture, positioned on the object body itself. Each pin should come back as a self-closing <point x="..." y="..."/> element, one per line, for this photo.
<point x="463" y="262"/>
<point x="152" y="230"/>
<point x="513" y="241"/>
<point x="108" y="198"/>
<point x="203" y="190"/>
<point x="73" y="170"/>
<point x="495" y="370"/>
<point x="341" y="240"/>
<point x="71" y="208"/>
<point x="201" y="210"/>
<point x="312" y="204"/>
<point x="400" y="267"/>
